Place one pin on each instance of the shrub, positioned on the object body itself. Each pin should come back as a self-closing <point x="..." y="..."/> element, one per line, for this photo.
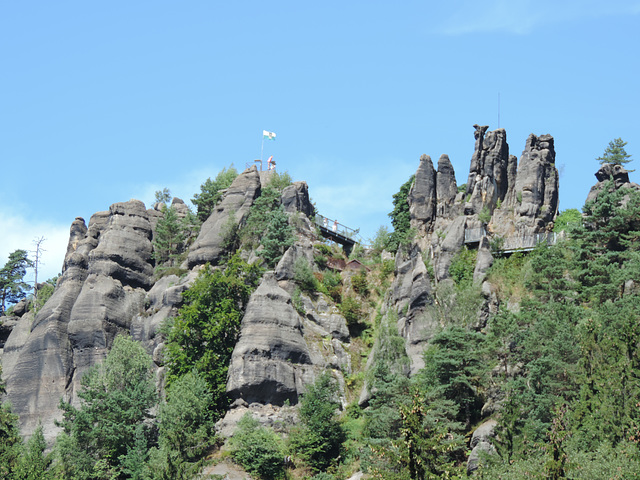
<point x="351" y="309"/>
<point x="462" y="266"/>
<point x="303" y="276"/>
<point x="319" y="438"/>
<point x="485" y="215"/>
<point x="360" y="284"/>
<point x="258" y="449"/>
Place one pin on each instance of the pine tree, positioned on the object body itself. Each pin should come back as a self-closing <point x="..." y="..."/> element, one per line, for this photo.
<point x="169" y="238"/>
<point x="12" y="285"/>
<point x="277" y="238"/>
<point x="615" y="153"/>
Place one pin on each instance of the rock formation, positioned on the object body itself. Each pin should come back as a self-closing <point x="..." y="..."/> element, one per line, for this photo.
<point x="108" y="285"/>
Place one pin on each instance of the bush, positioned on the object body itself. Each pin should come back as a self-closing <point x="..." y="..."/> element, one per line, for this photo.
<point x="258" y="449"/>
<point x="462" y="266"/>
<point x="351" y="309"/>
<point x="303" y="276"/>
<point x="360" y="284"/>
<point x="319" y="438"/>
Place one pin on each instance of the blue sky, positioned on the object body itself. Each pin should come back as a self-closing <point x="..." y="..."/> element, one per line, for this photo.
<point x="105" y="101"/>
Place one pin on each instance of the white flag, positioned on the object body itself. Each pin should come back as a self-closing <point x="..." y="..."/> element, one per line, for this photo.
<point x="268" y="135"/>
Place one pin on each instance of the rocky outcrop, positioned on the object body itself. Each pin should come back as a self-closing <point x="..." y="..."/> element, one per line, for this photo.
<point x="295" y="198"/>
<point x="481" y="444"/>
<point x="488" y="180"/>
<point x="271" y="362"/>
<point x="422" y="196"/>
<point x="106" y="270"/>
<point x="410" y="296"/>
<point x="617" y="173"/>
<point x="233" y="209"/>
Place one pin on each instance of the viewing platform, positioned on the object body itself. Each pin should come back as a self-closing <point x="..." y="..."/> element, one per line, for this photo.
<point x="336" y="232"/>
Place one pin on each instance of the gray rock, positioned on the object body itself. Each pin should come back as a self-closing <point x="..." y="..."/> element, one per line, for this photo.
<point x="450" y="246"/>
<point x="488" y="179"/>
<point x="481" y="444"/>
<point x="422" y="196"/>
<point x="537" y="182"/>
<point x="271" y="362"/>
<point x="285" y="268"/>
<point x="446" y="187"/>
<point x="295" y="198"/>
<point x="124" y="248"/>
<point x="484" y="260"/>
<point x="609" y="171"/>
<point x="234" y="207"/>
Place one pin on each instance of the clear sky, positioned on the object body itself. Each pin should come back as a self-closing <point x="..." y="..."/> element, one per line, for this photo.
<point x="105" y="101"/>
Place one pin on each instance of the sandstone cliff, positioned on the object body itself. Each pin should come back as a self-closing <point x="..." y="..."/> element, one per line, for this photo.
<point x="108" y="285"/>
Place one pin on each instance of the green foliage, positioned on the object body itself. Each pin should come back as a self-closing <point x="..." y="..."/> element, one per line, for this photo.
<point x="163" y="196"/>
<point x="185" y="429"/>
<point x="258" y="449"/>
<point x="277" y="237"/>
<point x="211" y="192"/>
<point x="303" y="276"/>
<point x="351" y="310"/>
<point x="462" y="188"/>
<point x="45" y="291"/>
<point x="279" y="181"/>
<point x="485" y="215"/>
<point x="381" y="241"/>
<point x="360" y="284"/>
<point x="400" y="217"/>
<point x="319" y="437"/>
<point x="206" y="329"/>
<point x="462" y="267"/>
<point x="332" y="283"/>
<point x="260" y="217"/>
<point x="115" y="401"/>
<point x="171" y="233"/>
<point x="12" y="285"/>
<point x="457" y="305"/>
<point x="567" y="219"/>
<point x="33" y="463"/>
<point x="298" y="303"/>
<point x="10" y="441"/>
<point x="615" y="153"/>
<point x="455" y="370"/>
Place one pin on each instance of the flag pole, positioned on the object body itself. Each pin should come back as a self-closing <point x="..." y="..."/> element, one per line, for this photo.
<point x="261" y="150"/>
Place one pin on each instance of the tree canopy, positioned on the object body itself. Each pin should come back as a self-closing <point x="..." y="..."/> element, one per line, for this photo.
<point x="615" y="153"/>
<point x="12" y="285"/>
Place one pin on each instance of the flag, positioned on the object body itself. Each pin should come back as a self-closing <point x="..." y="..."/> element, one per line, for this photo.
<point x="268" y="135"/>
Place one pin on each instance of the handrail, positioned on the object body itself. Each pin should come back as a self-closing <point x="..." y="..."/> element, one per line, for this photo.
<point x="335" y="227"/>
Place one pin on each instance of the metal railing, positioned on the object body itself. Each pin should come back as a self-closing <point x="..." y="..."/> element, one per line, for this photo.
<point x="528" y="242"/>
<point x="335" y="227"/>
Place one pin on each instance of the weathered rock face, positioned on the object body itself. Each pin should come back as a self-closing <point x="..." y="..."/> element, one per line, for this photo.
<point x="609" y="171"/>
<point x="538" y="181"/>
<point x="422" y="196"/>
<point x="295" y="198"/>
<point x="106" y="268"/>
<point x="488" y="176"/>
<point x="234" y="207"/>
<point x="271" y="362"/>
<point x="410" y="295"/>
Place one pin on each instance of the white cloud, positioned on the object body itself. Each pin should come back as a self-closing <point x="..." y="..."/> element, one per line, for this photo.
<point x="20" y="233"/>
<point x="521" y="17"/>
